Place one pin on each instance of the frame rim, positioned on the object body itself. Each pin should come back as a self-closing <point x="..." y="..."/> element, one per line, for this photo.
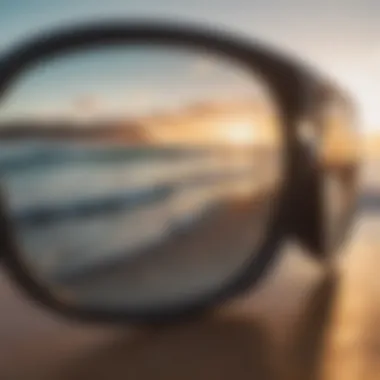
<point x="277" y="71"/>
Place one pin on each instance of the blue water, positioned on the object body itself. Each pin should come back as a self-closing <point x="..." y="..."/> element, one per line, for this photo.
<point x="73" y="205"/>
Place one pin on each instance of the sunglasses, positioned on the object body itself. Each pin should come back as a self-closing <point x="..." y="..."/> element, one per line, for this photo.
<point x="151" y="171"/>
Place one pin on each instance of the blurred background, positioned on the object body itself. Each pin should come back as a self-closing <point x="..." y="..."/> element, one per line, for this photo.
<point x="301" y="323"/>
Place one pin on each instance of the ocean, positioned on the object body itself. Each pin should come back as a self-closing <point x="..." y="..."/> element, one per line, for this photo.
<point x="74" y="205"/>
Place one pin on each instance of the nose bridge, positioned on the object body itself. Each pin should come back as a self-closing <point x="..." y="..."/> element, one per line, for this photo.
<point x="304" y="204"/>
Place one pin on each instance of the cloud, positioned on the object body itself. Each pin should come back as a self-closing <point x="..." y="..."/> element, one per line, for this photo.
<point x="89" y="103"/>
<point x="203" y="67"/>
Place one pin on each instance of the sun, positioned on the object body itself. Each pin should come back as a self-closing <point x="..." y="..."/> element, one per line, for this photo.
<point x="240" y="132"/>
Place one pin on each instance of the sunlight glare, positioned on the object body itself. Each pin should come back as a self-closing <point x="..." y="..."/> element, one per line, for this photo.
<point x="240" y="132"/>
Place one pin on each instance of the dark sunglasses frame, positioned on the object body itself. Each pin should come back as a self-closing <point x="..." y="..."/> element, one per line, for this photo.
<point x="296" y="212"/>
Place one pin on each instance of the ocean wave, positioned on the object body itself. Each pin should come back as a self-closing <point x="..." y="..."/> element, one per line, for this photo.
<point x="51" y="157"/>
<point x="110" y="204"/>
<point x="206" y="185"/>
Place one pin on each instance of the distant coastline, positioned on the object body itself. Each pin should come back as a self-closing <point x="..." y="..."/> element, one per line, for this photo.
<point x="131" y="132"/>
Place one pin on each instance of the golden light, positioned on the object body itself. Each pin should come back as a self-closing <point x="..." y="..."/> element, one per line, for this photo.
<point x="240" y="132"/>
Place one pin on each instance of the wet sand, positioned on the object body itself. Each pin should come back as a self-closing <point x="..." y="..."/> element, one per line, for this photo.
<point x="184" y="265"/>
<point x="298" y="325"/>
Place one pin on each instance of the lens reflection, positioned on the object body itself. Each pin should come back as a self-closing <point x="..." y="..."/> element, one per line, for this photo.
<point x="139" y="176"/>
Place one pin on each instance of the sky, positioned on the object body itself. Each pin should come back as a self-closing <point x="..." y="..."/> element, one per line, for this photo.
<point x="132" y="81"/>
<point x="338" y="37"/>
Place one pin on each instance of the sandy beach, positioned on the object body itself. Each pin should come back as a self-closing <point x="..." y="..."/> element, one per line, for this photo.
<point x="186" y="263"/>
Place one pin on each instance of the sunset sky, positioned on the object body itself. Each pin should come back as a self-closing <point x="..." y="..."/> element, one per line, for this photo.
<point x="128" y="82"/>
<point x="340" y="37"/>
